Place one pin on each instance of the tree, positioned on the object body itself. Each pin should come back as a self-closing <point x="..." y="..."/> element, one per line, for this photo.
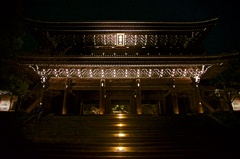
<point x="11" y="42"/>
<point x="227" y="83"/>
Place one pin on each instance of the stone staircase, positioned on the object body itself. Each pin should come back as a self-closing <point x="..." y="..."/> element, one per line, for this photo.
<point x="126" y="136"/>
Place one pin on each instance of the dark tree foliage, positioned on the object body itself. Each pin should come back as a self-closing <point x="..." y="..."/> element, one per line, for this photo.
<point x="227" y="83"/>
<point x="11" y="41"/>
<point x="12" y="80"/>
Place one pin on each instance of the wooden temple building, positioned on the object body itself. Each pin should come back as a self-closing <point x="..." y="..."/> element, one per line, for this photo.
<point x="129" y="64"/>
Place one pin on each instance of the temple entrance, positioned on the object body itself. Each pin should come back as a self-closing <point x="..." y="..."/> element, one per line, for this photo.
<point x="120" y="106"/>
<point x="142" y="75"/>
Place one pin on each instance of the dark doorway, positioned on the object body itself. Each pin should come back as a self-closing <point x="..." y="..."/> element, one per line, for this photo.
<point x="149" y="106"/>
<point x="56" y="102"/>
<point x="184" y="105"/>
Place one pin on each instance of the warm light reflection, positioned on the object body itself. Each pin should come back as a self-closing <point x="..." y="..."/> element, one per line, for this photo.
<point x="121" y="135"/>
<point x="120" y="125"/>
<point x="120" y="149"/>
<point x="120" y="116"/>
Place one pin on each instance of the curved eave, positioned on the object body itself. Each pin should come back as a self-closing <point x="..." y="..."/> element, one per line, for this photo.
<point x="93" y="60"/>
<point x="49" y="34"/>
<point x="120" y="26"/>
<point x="100" y="23"/>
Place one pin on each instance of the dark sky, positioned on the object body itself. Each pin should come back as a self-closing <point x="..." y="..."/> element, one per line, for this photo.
<point x="223" y="38"/>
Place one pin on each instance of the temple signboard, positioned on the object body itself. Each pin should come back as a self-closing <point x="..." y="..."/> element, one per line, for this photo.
<point x="236" y="104"/>
<point x="8" y="102"/>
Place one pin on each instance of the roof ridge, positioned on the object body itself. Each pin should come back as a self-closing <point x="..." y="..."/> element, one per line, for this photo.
<point x="122" y="21"/>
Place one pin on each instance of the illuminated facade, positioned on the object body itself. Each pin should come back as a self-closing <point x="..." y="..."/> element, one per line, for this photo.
<point x="136" y="65"/>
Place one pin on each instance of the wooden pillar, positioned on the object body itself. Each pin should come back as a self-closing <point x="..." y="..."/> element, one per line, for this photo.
<point x="192" y="102"/>
<point x="107" y="102"/>
<point x="44" y="83"/>
<point x="65" y="98"/>
<point x="138" y="97"/>
<point x="132" y="104"/>
<point x="161" y="103"/>
<point x="164" y="109"/>
<point x="175" y="103"/>
<point x="174" y="97"/>
<point x="42" y="94"/>
<point x="196" y="95"/>
<point x="164" y="106"/>
<point x="64" y="108"/>
<point x="199" y="102"/>
<point x="43" y="80"/>
<point x="81" y="108"/>
<point x="102" y="96"/>
<point x="159" y="111"/>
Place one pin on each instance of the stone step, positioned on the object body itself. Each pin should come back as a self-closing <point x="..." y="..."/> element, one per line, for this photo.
<point x="125" y="152"/>
<point x="142" y="137"/>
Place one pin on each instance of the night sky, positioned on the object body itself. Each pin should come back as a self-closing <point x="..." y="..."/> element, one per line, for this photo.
<point x="223" y="38"/>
